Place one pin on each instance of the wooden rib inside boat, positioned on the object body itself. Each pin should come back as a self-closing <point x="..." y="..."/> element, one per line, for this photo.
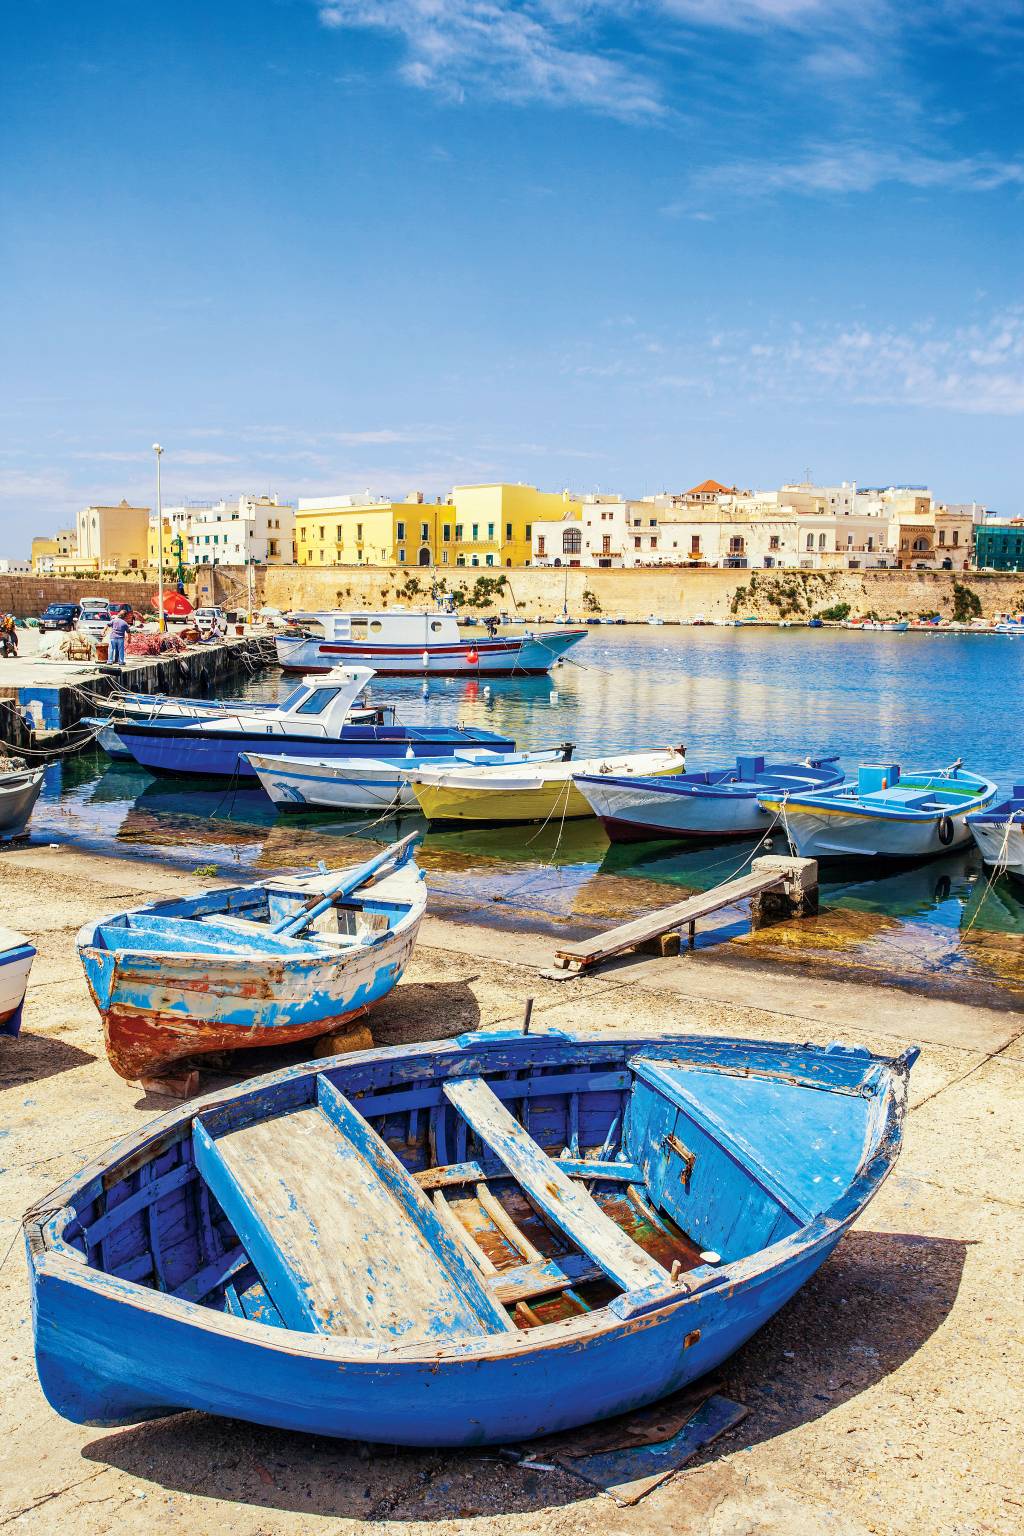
<point x="498" y="1236"/>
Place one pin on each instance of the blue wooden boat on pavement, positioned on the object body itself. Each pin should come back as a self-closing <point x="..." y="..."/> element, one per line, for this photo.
<point x="284" y="960"/>
<point x="315" y="721"/>
<point x="459" y="1242"/>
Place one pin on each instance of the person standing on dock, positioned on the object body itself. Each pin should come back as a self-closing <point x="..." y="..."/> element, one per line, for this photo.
<point x="120" y="624"/>
<point x="8" y="636"/>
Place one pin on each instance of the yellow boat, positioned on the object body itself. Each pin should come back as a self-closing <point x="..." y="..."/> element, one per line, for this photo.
<point x="523" y="792"/>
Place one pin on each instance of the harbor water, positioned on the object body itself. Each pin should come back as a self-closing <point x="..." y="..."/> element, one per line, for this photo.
<point x="922" y="700"/>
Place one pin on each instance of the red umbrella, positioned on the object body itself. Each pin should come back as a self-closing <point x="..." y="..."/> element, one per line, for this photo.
<point x="176" y="605"/>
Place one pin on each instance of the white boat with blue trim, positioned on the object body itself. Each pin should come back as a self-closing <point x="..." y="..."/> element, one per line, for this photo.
<point x="999" y="833"/>
<point x="884" y="813"/>
<point x="368" y="784"/>
<point x="20" y="788"/>
<point x="16" y="956"/>
<point x="718" y="803"/>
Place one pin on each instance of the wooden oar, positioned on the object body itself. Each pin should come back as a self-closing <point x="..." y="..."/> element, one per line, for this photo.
<point x="349" y="882"/>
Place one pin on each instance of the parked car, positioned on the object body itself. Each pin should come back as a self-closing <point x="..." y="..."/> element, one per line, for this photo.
<point x="93" y="621"/>
<point x="205" y="618"/>
<point x="60" y="616"/>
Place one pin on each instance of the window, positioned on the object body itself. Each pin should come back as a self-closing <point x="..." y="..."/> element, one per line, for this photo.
<point x="821" y="541"/>
<point x="272" y="547"/>
<point x="636" y="543"/>
<point x="476" y="532"/>
<point x="508" y="530"/>
<point x="942" y="535"/>
<point x="338" y="534"/>
<point x="318" y="701"/>
<point x="446" y="533"/>
<point x="529" y="530"/>
<point x="399" y="531"/>
<point x="460" y="559"/>
<point x="376" y="626"/>
<point x="359" y="533"/>
<point x="488" y="559"/>
<point x="956" y="536"/>
<point x="444" y="557"/>
<point x="401" y="556"/>
<point x="736" y="546"/>
<point x="773" y="542"/>
<point x="458" y="535"/>
<point x="694" y="543"/>
<point x="302" y="534"/>
<point x="871" y="542"/>
<point x="490" y="530"/>
<point x="475" y="560"/>
<point x="424" y="532"/>
<point x="321" y="555"/>
<point x="654" y="541"/>
<point x="636" y="522"/>
<point x="810" y="541"/>
<point x="322" y="530"/>
<point x="572" y="541"/>
<point x="541" y="549"/>
<point x="606" y="544"/>
<point x="435" y="626"/>
<point x="654" y="522"/>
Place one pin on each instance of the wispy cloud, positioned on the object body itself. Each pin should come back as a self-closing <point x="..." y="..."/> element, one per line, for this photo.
<point x="853" y="167"/>
<point x="550" y="52"/>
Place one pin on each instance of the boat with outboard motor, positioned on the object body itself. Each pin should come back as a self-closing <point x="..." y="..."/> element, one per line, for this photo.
<point x="459" y="1242"/>
<point x="884" y="813"/>
<point x="999" y="833"/>
<point x="718" y="803"/>
<point x="401" y="641"/>
<point x="370" y="784"/>
<point x="529" y="791"/>
<point x="314" y="722"/>
<point x="283" y="960"/>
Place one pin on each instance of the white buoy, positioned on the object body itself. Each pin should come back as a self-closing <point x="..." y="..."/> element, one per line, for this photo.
<point x="553" y="696"/>
<point x="426" y="658"/>
<point x="487" y="690"/>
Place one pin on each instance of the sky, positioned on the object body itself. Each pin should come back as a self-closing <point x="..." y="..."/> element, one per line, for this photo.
<point x="405" y="244"/>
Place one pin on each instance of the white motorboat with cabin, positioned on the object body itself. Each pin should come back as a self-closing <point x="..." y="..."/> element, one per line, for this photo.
<point x="417" y="642"/>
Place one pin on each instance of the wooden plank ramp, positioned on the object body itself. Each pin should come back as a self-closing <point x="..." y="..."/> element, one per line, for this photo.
<point x="340" y="1234"/>
<point x="565" y="1203"/>
<point x="570" y="959"/>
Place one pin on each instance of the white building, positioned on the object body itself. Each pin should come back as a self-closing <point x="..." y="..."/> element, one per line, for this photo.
<point x="15" y="567"/>
<point x="255" y="529"/>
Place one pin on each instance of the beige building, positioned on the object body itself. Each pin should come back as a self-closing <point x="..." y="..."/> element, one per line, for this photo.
<point x="46" y="550"/>
<point x="114" y="538"/>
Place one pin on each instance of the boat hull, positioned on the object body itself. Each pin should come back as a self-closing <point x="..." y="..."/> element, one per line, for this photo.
<point x="1001" y="847"/>
<point x="819" y="834"/>
<point x="19" y="792"/>
<point x="222" y="754"/>
<point x="15" y="965"/>
<point x="512" y="656"/>
<point x="630" y="816"/>
<point x="96" y="1370"/>
<point x="555" y="800"/>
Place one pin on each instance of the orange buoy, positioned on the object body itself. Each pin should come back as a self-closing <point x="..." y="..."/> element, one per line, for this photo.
<point x="472" y="657"/>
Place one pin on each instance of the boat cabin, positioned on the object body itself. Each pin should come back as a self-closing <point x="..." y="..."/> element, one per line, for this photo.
<point x="391" y="626"/>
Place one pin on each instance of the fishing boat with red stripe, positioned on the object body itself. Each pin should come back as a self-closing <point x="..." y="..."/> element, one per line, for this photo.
<point x="408" y="642"/>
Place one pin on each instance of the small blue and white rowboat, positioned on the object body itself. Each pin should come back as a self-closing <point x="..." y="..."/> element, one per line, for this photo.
<point x="20" y="788"/>
<point x="16" y="956"/>
<point x="368" y="784"/>
<point x="884" y="814"/>
<point x="999" y="833"/>
<point x="266" y="964"/>
<point x="456" y="1243"/>
<point x="719" y="803"/>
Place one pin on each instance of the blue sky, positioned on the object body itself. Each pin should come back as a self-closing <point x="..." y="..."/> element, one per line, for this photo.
<point x="406" y="243"/>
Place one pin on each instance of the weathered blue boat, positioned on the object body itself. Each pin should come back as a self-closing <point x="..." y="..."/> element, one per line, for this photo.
<point x="458" y="1242"/>
<point x="317" y="720"/>
<point x="283" y="960"/>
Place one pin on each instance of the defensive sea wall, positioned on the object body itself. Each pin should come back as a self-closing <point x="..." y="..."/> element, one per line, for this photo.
<point x="668" y="594"/>
<point x="27" y="596"/>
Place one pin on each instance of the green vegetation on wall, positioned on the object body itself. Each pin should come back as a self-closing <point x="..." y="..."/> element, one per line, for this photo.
<point x="966" y="603"/>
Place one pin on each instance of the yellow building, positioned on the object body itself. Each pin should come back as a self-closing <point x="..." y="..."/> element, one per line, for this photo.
<point x="46" y="550"/>
<point x="112" y="538"/>
<point x="367" y="530"/>
<point x="493" y="524"/>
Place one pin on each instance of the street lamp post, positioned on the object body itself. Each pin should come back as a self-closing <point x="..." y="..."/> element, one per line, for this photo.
<point x="161" y="620"/>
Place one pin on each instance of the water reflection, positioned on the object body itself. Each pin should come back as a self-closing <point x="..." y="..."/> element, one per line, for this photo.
<point x="892" y="697"/>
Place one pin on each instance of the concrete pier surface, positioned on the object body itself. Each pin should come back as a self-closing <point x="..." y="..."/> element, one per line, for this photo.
<point x="888" y="1397"/>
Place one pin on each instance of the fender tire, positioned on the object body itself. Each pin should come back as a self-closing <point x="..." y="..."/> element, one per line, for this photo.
<point x="946" y="831"/>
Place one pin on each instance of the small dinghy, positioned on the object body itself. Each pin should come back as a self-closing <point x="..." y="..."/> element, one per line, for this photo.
<point x="722" y="802"/>
<point x="367" y="784"/>
<point x="885" y="814"/>
<point x="460" y="1242"/>
<point x="16" y="956"/>
<point x="999" y="833"/>
<point x="19" y="790"/>
<point x="249" y="965"/>
<point x="530" y="792"/>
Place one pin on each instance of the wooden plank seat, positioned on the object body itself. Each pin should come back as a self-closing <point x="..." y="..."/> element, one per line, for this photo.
<point x="342" y="1237"/>
<point x="564" y="1202"/>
